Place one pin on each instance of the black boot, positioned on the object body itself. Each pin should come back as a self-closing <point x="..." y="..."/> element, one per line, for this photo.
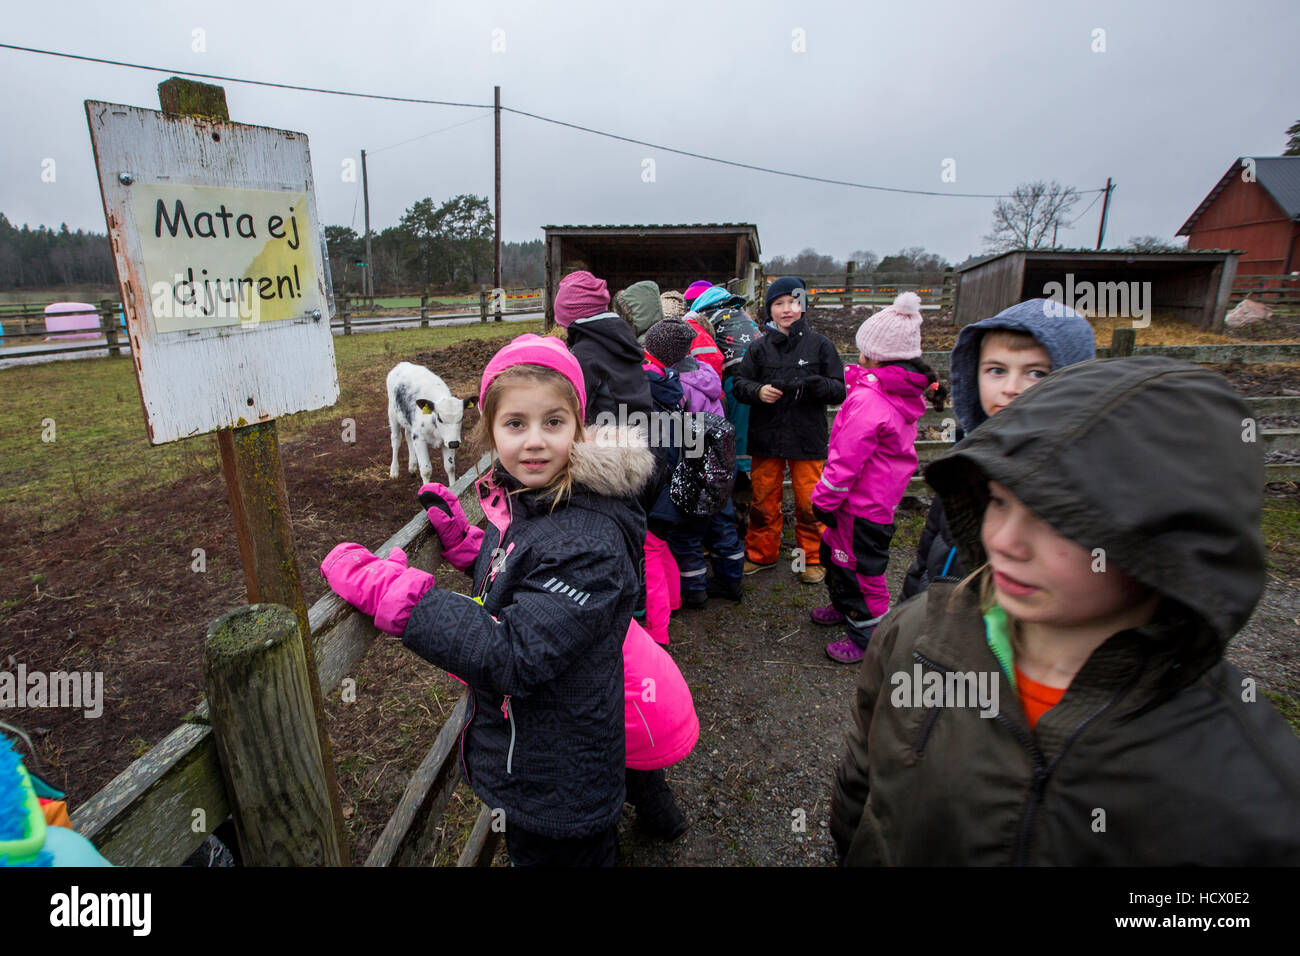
<point x="694" y="600"/>
<point x="657" y="814"/>
<point x="726" y="588"/>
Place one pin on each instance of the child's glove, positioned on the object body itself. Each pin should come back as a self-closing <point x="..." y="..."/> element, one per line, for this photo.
<point x="825" y="517"/>
<point x="384" y="588"/>
<point x="460" y="539"/>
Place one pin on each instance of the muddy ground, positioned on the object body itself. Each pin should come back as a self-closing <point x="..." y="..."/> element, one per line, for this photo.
<point x="123" y="596"/>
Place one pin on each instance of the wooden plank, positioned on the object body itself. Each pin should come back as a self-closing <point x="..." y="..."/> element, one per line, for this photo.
<point x="1280" y="439"/>
<point x="1223" y="354"/>
<point x="408" y="834"/>
<point x="149" y="814"/>
<point x="1282" y="472"/>
<point x="1275" y="405"/>
<point x="482" y="843"/>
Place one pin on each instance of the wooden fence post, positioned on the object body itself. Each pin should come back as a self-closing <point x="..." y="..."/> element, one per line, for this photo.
<point x="482" y="303"/>
<point x="347" y="314"/>
<point x="260" y="704"/>
<point x="1122" y="342"/>
<point x="424" y="310"/>
<point x="108" y="322"/>
<point x="847" y="300"/>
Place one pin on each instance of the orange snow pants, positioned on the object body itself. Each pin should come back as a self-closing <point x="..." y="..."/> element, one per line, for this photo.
<point x="763" y="542"/>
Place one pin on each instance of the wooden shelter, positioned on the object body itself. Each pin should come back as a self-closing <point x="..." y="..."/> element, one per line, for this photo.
<point x="1192" y="286"/>
<point x="671" y="256"/>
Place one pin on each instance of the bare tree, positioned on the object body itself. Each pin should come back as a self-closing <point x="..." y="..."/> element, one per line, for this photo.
<point x="1026" y="218"/>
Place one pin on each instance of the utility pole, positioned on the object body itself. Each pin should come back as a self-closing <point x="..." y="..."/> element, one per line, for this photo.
<point x="496" y="217"/>
<point x="1105" y="208"/>
<point x="368" y="286"/>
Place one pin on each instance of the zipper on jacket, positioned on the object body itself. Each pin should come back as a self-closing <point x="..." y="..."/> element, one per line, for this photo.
<point x="924" y="738"/>
<point x="644" y="721"/>
<point x="1043" y="771"/>
<point x="510" y="754"/>
<point x="473" y="708"/>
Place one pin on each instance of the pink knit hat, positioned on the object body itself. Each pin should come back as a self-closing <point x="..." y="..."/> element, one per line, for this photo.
<point x="894" y="332"/>
<point x="695" y="288"/>
<point x="580" y="296"/>
<point x="546" y="351"/>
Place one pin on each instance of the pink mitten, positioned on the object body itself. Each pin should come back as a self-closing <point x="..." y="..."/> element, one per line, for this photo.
<point x="384" y="588"/>
<point x="460" y="539"/>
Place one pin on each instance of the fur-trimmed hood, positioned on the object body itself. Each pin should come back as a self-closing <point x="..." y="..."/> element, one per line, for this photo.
<point x="614" y="461"/>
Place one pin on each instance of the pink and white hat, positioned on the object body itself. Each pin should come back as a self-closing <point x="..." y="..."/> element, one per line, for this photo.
<point x="893" y="332"/>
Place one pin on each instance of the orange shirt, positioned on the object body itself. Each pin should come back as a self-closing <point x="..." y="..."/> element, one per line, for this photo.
<point x="1036" y="699"/>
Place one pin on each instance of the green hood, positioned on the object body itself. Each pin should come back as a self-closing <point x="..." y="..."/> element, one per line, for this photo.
<point x="639" y="304"/>
<point x="1143" y="457"/>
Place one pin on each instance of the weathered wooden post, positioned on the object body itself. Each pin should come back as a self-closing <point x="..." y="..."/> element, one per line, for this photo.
<point x="260" y="699"/>
<point x="482" y="303"/>
<point x="108" y="322"/>
<point x="847" y="299"/>
<point x="424" y="310"/>
<point x="347" y="314"/>
<point x="1122" y="342"/>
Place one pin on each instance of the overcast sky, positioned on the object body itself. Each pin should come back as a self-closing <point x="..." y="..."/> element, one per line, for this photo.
<point x="879" y="93"/>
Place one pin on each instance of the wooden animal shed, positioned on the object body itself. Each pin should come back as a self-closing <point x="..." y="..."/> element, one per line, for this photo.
<point x="671" y="256"/>
<point x="1191" y="286"/>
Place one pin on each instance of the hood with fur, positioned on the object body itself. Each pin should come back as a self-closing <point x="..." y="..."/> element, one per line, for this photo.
<point x="614" y="461"/>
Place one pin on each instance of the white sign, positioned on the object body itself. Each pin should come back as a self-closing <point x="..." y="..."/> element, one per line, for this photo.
<point x="222" y="268"/>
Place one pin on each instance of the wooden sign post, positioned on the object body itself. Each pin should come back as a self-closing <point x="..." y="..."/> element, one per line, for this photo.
<point x="225" y="283"/>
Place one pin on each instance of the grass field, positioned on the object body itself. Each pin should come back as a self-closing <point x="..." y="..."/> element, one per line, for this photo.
<point x="100" y="456"/>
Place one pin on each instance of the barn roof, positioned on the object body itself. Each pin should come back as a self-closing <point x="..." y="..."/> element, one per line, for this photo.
<point x="1279" y="175"/>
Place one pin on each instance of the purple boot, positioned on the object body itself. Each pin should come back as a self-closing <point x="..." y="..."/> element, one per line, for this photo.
<point x="827" y="615"/>
<point x="846" y="651"/>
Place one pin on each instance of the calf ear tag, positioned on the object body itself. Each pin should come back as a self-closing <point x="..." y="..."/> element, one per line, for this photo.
<point x="426" y="406"/>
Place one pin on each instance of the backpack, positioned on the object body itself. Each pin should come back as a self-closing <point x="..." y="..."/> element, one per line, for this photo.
<point x="701" y="483"/>
<point x="736" y="332"/>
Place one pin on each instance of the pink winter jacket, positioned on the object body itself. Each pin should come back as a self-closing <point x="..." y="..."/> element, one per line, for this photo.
<point x="658" y="712"/>
<point x="871" y="456"/>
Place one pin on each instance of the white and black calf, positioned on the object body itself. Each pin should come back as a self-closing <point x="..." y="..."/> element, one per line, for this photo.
<point x="421" y="407"/>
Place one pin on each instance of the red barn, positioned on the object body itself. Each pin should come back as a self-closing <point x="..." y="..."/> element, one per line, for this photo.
<point x="1255" y="208"/>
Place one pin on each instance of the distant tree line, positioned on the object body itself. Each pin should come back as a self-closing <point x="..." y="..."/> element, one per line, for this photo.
<point x="42" y="257"/>
<point x="445" y="247"/>
<point x="913" y="261"/>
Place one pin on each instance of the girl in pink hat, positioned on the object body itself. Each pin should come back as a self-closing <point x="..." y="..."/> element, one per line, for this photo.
<point x="868" y="465"/>
<point x="541" y="642"/>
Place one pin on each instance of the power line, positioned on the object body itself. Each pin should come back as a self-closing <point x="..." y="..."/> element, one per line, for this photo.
<point x="761" y="169"/>
<point x="488" y="106"/>
<point x="476" y="119"/>
<point x="235" y="79"/>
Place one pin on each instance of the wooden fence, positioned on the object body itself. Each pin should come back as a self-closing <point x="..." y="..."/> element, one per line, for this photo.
<point x="851" y="288"/>
<point x="147" y="815"/>
<point x="1276" y="291"/>
<point x="1273" y="439"/>
<point x="24" y="324"/>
